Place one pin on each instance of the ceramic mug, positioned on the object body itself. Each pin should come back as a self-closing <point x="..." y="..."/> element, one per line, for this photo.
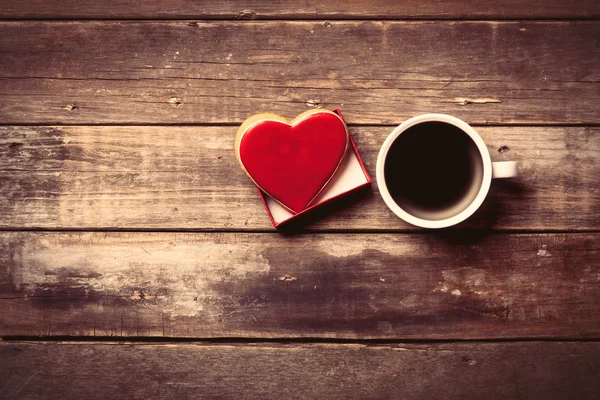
<point x="434" y="171"/>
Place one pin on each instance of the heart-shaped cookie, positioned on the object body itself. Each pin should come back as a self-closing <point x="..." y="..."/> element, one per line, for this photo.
<point x="292" y="161"/>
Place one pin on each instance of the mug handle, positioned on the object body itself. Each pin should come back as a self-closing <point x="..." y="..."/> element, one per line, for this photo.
<point x="504" y="169"/>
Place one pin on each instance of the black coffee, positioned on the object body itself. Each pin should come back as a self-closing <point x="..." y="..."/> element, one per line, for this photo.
<point x="433" y="170"/>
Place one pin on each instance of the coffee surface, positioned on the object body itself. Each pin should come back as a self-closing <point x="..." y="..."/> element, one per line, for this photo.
<point x="433" y="170"/>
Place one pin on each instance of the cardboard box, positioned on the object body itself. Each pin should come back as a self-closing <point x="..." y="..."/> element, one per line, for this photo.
<point x="350" y="177"/>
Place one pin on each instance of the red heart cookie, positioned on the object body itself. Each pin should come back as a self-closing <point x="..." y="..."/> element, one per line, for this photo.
<point x="292" y="161"/>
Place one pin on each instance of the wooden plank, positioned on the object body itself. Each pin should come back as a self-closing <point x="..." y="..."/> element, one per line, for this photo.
<point x="536" y="370"/>
<point x="454" y="285"/>
<point x="310" y="9"/>
<point x="187" y="178"/>
<point x="221" y="72"/>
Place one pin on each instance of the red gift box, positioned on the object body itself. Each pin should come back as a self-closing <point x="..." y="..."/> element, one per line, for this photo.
<point x="350" y="177"/>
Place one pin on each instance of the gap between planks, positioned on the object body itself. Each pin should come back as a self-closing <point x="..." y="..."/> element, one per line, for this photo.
<point x="323" y="18"/>
<point x="281" y="340"/>
<point x="457" y="231"/>
<point x="237" y="124"/>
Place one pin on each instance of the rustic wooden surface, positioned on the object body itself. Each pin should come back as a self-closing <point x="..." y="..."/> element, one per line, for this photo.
<point x="535" y="370"/>
<point x="365" y="286"/>
<point x="518" y="72"/>
<point x="308" y="9"/>
<point x="186" y="177"/>
<point x="125" y="222"/>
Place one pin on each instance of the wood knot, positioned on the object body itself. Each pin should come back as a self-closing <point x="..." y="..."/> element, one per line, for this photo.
<point x="464" y="101"/>
<point x="327" y="24"/>
<point x="71" y="107"/>
<point x="288" y="278"/>
<point x="138" y="295"/>
<point x="315" y="103"/>
<point x="246" y="14"/>
<point x="175" y="101"/>
<point x="503" y="149"/>
<point x="468" y="361"/>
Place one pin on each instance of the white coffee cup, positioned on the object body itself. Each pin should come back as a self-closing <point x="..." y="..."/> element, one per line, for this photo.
<point x="434" y="171"/>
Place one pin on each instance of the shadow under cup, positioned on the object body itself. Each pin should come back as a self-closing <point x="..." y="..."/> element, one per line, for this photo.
<point x="433" y="170"/>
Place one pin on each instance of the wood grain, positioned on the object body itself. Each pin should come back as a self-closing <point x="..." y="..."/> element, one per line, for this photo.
<point x="536" y="370"/>
<point x="187" y="178"/>
<point x="310" y="9"/>
<point x="435" y="286"/>
<point x="222" y="72"/>
<point x="69" y="162"/>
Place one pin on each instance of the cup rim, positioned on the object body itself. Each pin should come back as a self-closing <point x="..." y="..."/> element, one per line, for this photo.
<point x="471" y="208"/>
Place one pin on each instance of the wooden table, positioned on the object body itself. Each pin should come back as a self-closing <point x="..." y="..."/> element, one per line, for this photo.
<point x="136" y="260"/>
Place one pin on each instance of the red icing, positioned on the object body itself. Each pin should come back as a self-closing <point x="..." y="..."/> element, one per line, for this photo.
<point x="292" y="163"/>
